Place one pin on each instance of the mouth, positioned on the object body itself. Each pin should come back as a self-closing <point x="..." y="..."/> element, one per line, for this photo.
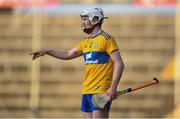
<point x="85" y="27"/>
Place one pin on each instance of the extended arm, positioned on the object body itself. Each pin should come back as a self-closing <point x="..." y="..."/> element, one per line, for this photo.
<point x="64" y="55"/>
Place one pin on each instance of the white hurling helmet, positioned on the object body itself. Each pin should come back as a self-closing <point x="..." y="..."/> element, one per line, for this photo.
<point x="93" y="13"/>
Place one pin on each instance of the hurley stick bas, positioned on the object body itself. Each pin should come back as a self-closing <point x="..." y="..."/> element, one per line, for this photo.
<point x="100" y="100"/>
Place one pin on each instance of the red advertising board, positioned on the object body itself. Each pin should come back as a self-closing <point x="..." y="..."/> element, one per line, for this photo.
<point x="155" y="2"/>
<point x="27" y="3"/>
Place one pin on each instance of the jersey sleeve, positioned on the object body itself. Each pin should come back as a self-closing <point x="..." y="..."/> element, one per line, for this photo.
<point x="80" y="46"/>
<point x="111" y="45"/>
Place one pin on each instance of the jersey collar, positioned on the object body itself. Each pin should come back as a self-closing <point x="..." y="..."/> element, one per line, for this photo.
<point x="97" y="34"/>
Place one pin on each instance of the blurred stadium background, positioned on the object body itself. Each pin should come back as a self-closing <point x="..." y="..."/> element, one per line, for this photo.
<point x="146" y="32"/>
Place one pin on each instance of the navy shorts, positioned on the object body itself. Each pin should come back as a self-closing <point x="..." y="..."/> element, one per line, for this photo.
<point x="87" y="105"/>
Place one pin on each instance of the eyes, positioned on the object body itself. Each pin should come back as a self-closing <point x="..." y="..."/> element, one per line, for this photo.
<point x="84" y="18"/>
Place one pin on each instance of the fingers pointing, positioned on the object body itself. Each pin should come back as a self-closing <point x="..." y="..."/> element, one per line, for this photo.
<point x="37" y="54"/>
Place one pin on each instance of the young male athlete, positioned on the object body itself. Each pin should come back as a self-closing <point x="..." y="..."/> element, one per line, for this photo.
<point x="103" y="62"/>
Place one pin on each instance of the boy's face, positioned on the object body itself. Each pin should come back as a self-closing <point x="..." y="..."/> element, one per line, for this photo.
<point x="85" y="22"/>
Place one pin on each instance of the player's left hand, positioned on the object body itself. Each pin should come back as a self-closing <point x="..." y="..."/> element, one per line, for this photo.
<point x="112" y="93"/>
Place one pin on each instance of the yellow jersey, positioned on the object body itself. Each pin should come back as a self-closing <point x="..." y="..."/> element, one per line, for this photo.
<point x="98" y="64"/>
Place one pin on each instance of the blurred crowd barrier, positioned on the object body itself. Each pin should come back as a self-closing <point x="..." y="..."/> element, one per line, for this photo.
<point x="49" y="87"/>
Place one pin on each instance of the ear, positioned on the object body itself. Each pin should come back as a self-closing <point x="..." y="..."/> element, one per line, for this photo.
<point x="95" y="20"/>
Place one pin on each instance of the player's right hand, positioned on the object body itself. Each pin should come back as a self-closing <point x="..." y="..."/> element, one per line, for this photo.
<point x="38" y="54"/>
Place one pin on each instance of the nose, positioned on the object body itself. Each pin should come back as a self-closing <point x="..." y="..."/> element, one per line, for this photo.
<point x="82" y="21"/>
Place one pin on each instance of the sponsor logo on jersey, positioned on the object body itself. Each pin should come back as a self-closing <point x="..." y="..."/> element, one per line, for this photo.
<point x="96" y="57"/>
